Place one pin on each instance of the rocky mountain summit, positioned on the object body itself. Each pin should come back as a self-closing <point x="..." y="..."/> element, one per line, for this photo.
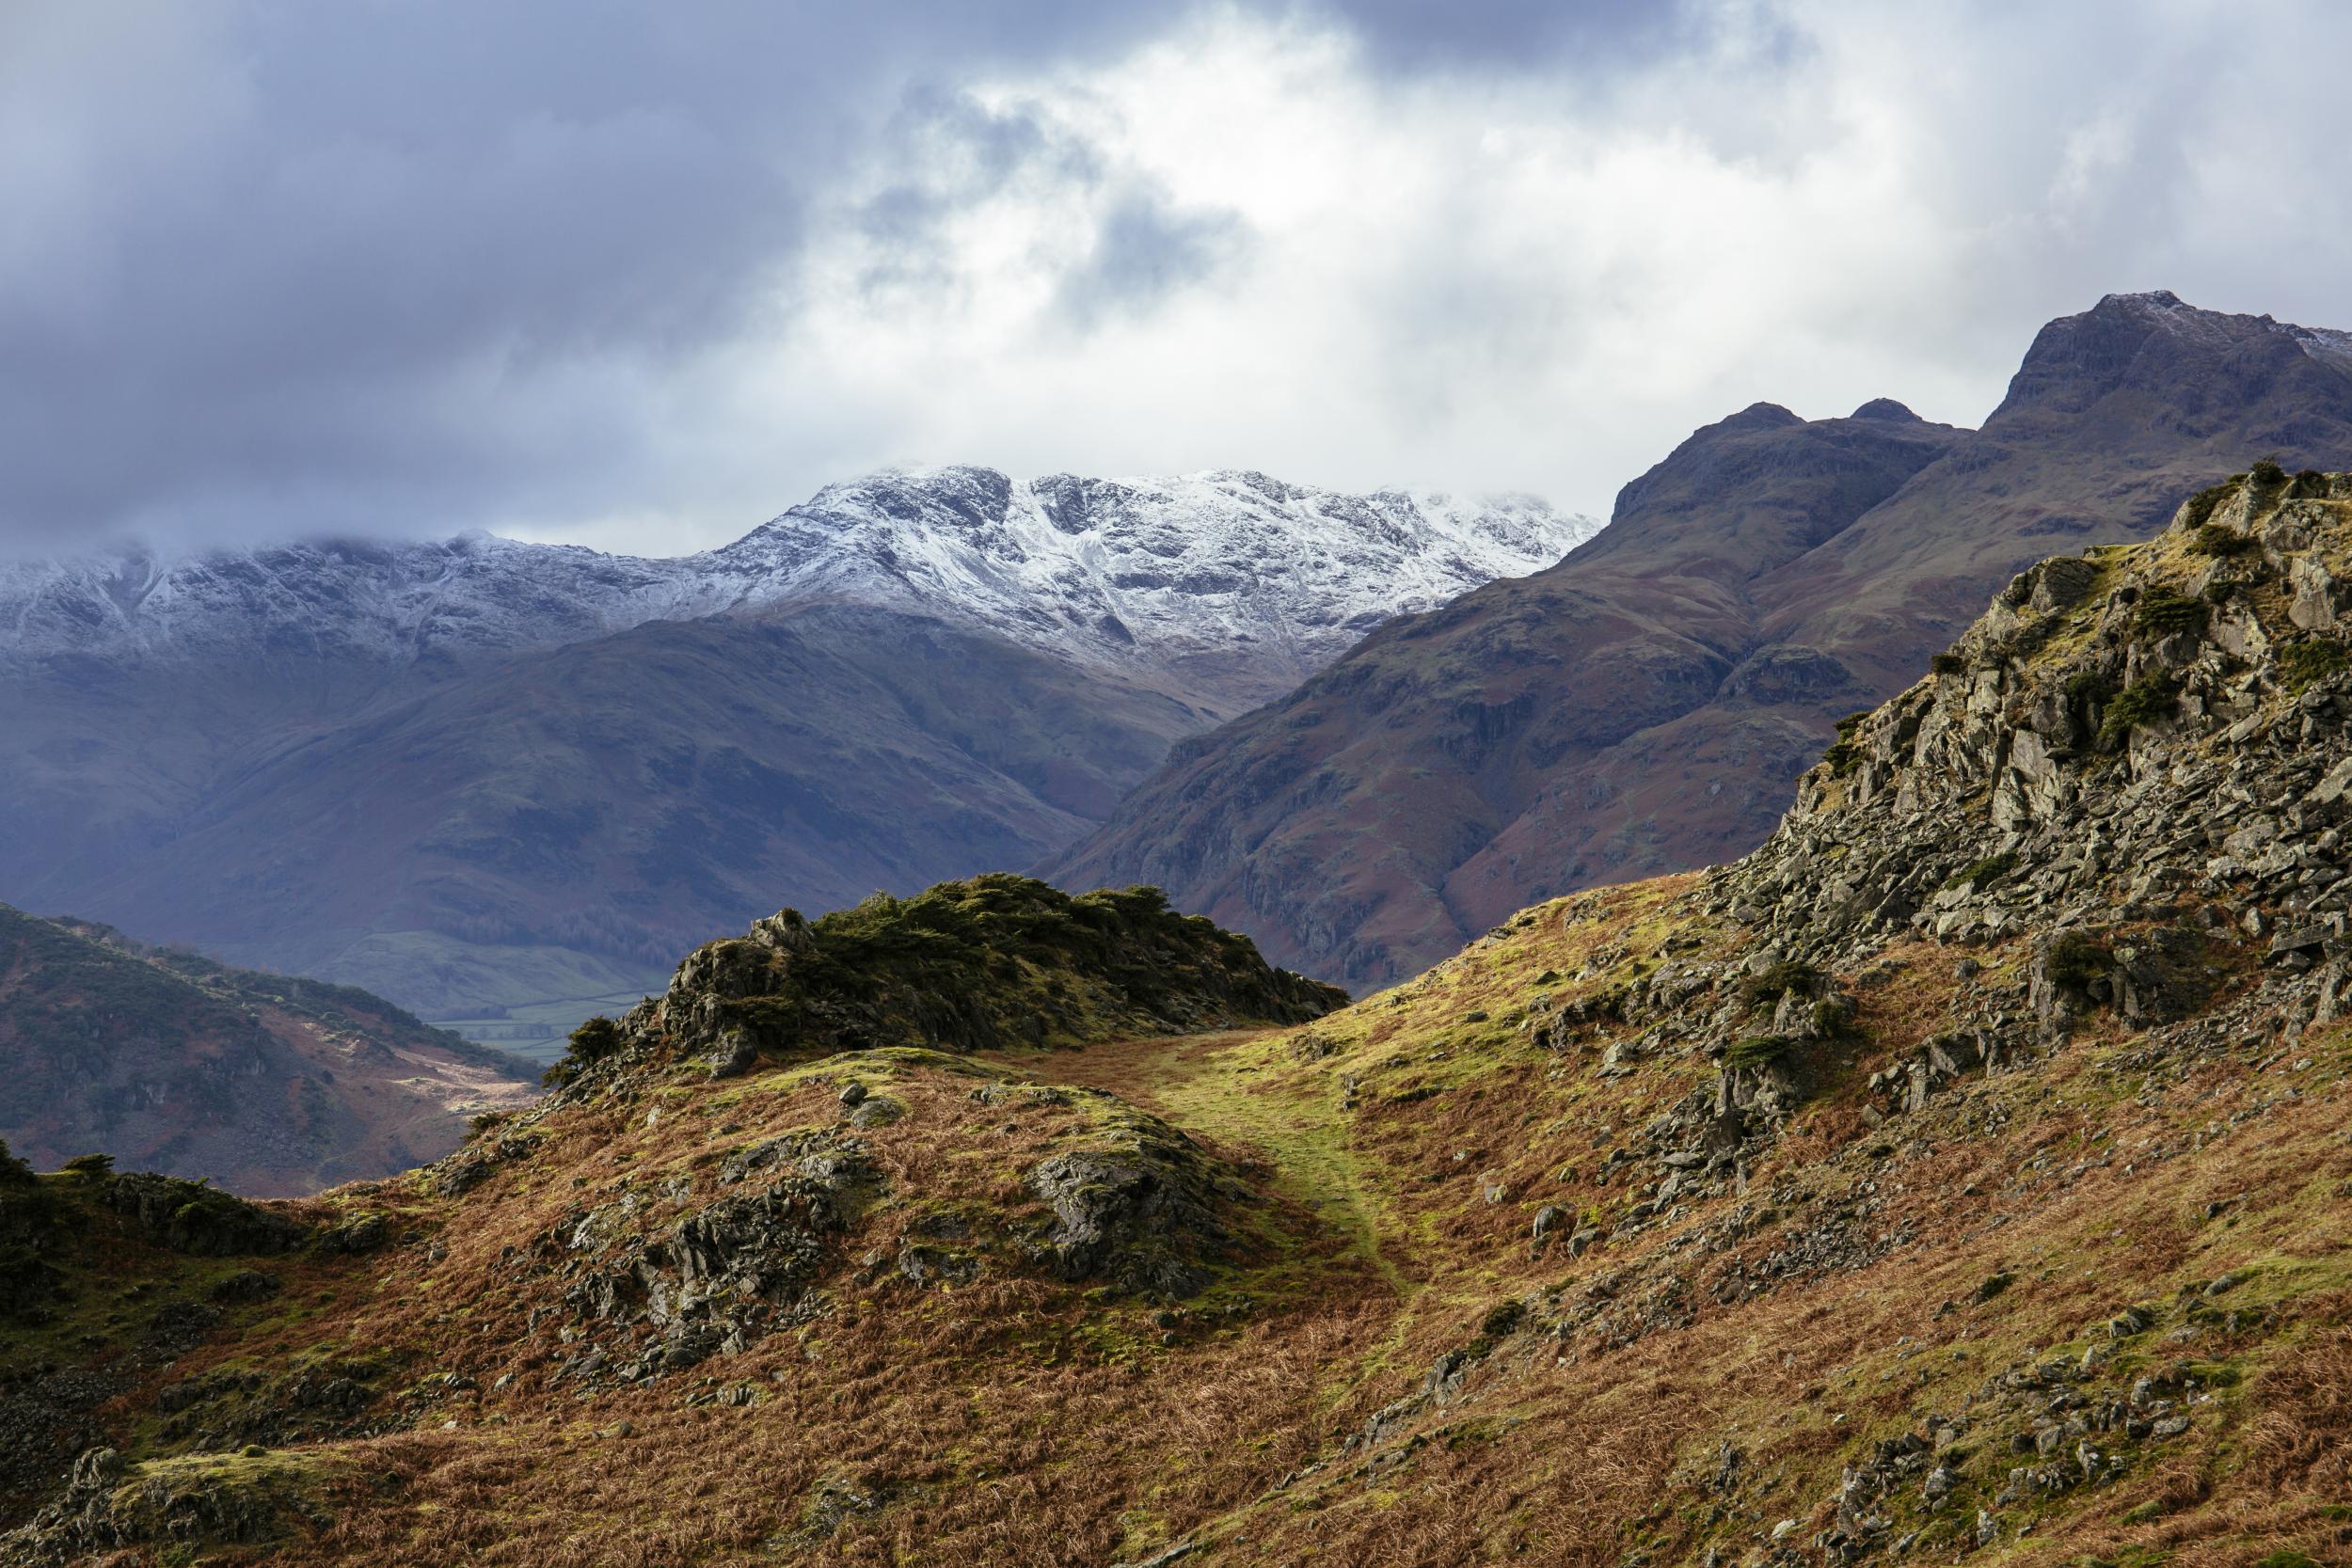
<point x="1647" y="704"/>
<point x="1236" y="584"/>
<point x="1959" y="1177"/>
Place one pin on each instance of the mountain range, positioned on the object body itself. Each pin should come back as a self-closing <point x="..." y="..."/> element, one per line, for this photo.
<point x="479" y="773"/>
<point x="1646" y="704"/>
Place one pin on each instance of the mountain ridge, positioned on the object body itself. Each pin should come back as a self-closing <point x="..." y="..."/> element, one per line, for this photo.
<point x="1723" y="633"/>
<point x="1103" y="571"/>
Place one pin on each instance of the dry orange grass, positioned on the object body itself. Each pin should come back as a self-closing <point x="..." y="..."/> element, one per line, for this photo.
<point x="1016" y="1421"/>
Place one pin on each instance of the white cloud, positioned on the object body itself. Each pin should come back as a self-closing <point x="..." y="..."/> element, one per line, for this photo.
<point x="1238" y="237"/>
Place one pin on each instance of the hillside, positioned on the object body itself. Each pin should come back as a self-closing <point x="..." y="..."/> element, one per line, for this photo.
<point x="263" y="1083"/>
<point x="594" y="810"/>
<point x="1646" y="705"/>
<point x="1960" y="1175"/>
<point x="479" y="775"/>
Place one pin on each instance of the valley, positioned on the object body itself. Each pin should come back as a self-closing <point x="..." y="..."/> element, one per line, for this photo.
<point x="267" y="1084"/>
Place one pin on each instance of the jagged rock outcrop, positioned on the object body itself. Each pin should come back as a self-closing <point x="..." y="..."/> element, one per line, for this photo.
<point x="1139" y="1209"/>
<point x="998" y="961"/>
<point x="721" y="1272"/>
<point x="182" y="1505"/>
<point x="2121" y="736"/>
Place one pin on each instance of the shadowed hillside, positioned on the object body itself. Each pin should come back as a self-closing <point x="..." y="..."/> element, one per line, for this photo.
<point x="478" y="775"/>
<point x="264" y="1082"/>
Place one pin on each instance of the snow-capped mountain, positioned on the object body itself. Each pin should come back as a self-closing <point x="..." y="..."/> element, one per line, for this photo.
<point x="1237" y="580"/>
<point x="1211" y="569"/>
<point x="478" y="774"/>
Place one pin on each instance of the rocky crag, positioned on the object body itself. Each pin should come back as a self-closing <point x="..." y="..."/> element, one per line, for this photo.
<point x="1959" y="1177"/>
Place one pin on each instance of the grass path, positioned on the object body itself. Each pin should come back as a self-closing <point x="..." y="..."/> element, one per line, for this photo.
<point x="1216" y="1087"/>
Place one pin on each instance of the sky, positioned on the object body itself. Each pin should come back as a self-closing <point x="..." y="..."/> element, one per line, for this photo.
<point x="642" y="274"/>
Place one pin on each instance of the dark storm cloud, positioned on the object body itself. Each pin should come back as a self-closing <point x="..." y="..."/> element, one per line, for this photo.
<point x="406" y="266"/>
<point x="383" y="265"/>
<point x="1518" y="35"/>
<point x="1145" y="250"/>
<point x="639" y="272"/>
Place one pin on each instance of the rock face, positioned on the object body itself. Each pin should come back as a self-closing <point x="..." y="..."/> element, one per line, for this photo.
<point x="2130" y="763"/>
<point x="266" y="1084"/>
<point x="475" y="774"/>
<point x="111" y="1506"/>
<point x="1139" y="1210"/>
<point x="1647" y="704"/>
<point x="721" y="1273"/>
<point x="2119" y="735"/>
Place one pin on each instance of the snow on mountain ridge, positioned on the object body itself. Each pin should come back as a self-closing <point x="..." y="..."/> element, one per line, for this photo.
<point x="1204" y="573"/>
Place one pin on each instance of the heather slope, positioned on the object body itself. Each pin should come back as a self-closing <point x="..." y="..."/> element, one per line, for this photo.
<point x="1962" y="1174"/>
<point x="263" y="1083"/>
<point x="1647" y="704"/>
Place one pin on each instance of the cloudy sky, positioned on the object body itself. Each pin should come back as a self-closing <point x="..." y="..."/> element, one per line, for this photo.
<point x="638" y="275"/>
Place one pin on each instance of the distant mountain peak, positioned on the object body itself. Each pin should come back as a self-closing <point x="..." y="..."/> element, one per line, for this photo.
<point x="2162" y="349"/>
<point x="1755" y="416"/>
<point x="1884" y="408"/>
<point x="2145" y="299"/>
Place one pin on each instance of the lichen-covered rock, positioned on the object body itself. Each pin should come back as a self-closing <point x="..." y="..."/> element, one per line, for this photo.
<point x="188" y="1503"/>
<point x="998" y="961"/>
<point x="2118" y="731"/>
<point x="724" y="1273"/>
<point x="360" y="1233"/>
<point x="1139" y="1212"/>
